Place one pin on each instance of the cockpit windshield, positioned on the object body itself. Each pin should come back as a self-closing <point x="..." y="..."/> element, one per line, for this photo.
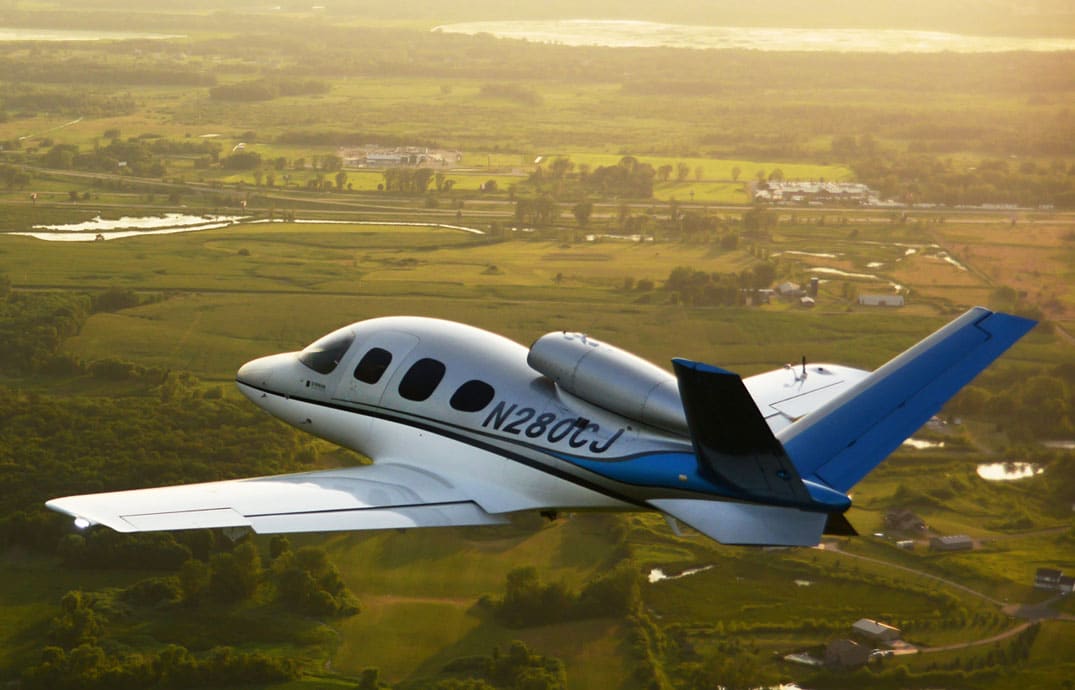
<point x="324" y="354"/>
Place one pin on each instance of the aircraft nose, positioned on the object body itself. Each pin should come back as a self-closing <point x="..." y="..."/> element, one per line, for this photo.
<point x="257" y="372"/>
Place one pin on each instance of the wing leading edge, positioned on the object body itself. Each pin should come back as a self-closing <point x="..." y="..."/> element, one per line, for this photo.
<point x="381" y="496"/>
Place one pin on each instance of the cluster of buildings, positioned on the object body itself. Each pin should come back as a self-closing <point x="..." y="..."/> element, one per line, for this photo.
<point x="1053" y="579"/>
<point x="869" y="639"/>
<point x="951" y="542"/>
<point x="816" y="193"/>
<point x="373" y="156"/>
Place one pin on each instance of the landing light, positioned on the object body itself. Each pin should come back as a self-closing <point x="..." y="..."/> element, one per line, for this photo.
<point x="82" y="523"/>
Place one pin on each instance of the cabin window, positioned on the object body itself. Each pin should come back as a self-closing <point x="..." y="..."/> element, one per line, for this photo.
<point x="421" y="379"/>
<point x="472" y="396"/>
<point x="324" y="354"/>
<point x="373" y="365"/>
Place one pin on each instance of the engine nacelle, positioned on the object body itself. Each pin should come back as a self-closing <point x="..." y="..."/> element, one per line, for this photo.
<point x="611" y="378"/>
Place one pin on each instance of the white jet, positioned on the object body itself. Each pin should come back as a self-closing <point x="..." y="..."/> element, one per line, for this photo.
<point x="466" y="427"/>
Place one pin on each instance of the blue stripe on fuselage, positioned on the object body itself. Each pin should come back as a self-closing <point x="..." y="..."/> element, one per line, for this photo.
<point x="669" y="470"/>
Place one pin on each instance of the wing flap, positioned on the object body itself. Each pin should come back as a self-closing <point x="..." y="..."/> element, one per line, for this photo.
<point x="382" y="496"/>
<point x="746" y="523"/>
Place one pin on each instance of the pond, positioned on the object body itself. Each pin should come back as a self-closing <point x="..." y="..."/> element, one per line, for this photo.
<point x="1008" y="471"/>
<point x="99" y="229"/>
<point x="658" y="575"/>
<point x="639" y="34"/>
<point x="922" y="444"/>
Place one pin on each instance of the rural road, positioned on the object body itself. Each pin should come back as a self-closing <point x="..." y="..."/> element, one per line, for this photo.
<point x="1033" y="613"/>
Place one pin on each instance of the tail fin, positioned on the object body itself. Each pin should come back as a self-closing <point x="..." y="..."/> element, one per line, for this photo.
<point x="789" y="488"/>
<point x="841" y="442"/>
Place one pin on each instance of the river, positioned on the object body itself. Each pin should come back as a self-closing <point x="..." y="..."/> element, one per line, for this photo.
<point x="15" y="34"/>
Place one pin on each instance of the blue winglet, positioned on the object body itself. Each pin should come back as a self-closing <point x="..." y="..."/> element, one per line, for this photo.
<point x="841" y="442"/>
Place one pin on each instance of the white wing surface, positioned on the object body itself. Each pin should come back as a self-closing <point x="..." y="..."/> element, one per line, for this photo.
<point x="380" y="496"/>
<point x="785" y="395"/>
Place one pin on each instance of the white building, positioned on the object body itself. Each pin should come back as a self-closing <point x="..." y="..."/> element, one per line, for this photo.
<point x="881" y="300"/>
<point x="875" y="630"/>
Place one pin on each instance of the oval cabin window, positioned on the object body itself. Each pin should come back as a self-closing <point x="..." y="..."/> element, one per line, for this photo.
<point x="421" y="379"/>
<point x="472" y="396"/>
<point x="373" y="365"/>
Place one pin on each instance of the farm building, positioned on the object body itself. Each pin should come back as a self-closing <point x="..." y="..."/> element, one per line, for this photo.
<point x="397" y="157"/>
<point x="1048" y="578"/>
<point x="846" y="654"/>
<point x="790" y="290"/>
<point x="904" y="520"/>
<point x="1066" y="585"/>
<point x="875" y="630"/>
<point x="844" y="193"/>
<point x="951" y="542"/>
<point x="881" y="300"/>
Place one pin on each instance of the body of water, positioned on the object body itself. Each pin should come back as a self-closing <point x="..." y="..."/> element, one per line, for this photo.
<point x="1007" y="471"/>
<point x="8" y="34"/>
<point x="658" y="575"/>
<point x="98" y="229"/>
<point x="638" y="34"/>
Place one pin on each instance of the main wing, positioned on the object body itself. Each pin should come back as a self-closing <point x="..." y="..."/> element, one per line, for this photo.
<point x="380" y="496"/>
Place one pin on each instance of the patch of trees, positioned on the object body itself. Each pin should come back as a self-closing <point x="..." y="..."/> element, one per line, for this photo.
<point x="88" y="667"/>
<point x="528" y="601"/>
<point x="179" y="433"/>
<point x="1026" y="403"/>
<point x="88" y="639"/>
<point x="308" y="583"/>
<point x="561" y="178"/>
<point x="408" y="180"/>
<point x="13" y="178"/>
<point x="139" y="156"/>
<point x="538" y="212"/>
<point x="75" y="102"/>
<point x="700" y="288"/>
<point x="83" y="71"/>
<point x="629" y="178"/>
<point x="268" y="89"/>
<point x="921" y="177"/>
<point x="516" y="669"/>
<point x="241" y="160"/>
<point x="34" y="325"/>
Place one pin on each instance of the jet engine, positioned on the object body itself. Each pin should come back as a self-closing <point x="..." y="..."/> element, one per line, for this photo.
<point x="610" y="378"/>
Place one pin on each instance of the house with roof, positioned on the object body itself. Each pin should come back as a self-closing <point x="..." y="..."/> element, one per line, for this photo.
<point x="1048" y="578"/>
<point x="846" y="654"/>
<point x="951" y="542"/>
<point x="875" y="630"/>
<point x="904" y="520"/>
